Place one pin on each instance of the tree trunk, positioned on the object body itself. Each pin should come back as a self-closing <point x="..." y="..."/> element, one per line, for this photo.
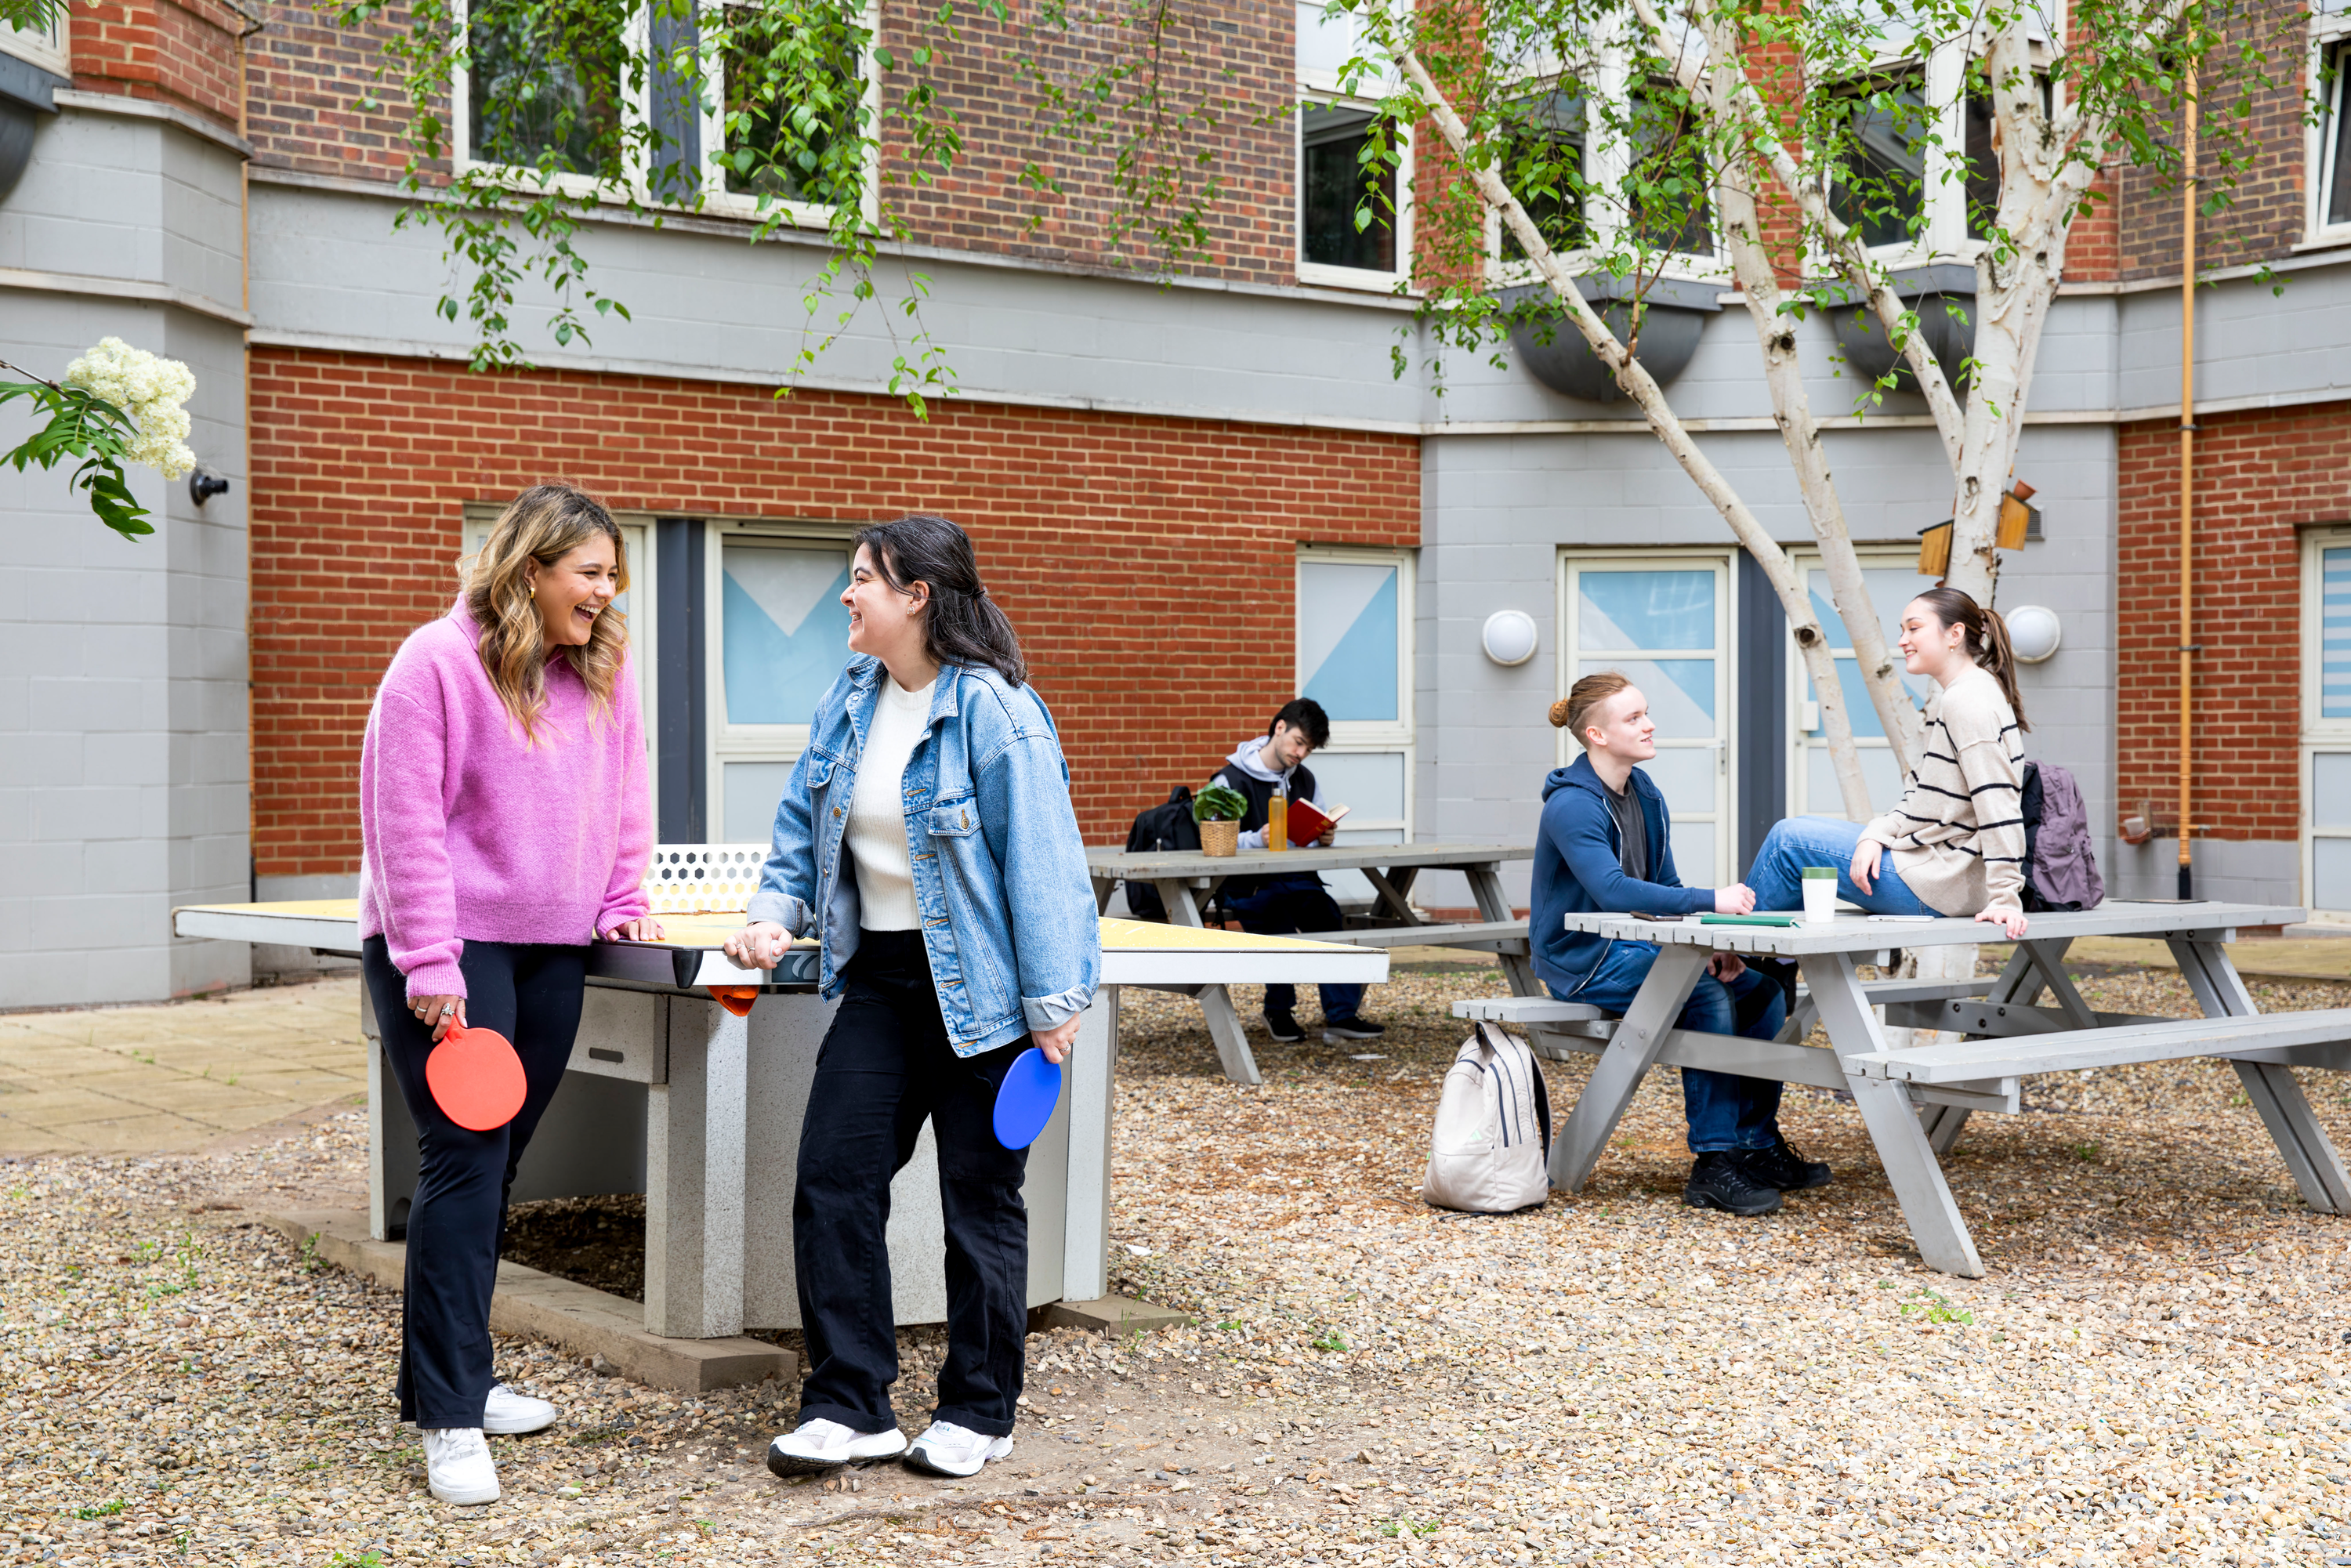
<point x="1812" y="644"/>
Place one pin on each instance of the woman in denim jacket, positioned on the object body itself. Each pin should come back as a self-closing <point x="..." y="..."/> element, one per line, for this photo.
<point x="927" y="838"/>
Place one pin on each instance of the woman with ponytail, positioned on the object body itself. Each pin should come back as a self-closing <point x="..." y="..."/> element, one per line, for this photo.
<point x="1954" y="843"/>
<point x="927" y="838"/>
<point x="503" y="821"/>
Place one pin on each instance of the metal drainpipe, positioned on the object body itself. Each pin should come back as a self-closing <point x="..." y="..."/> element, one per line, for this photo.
<point x="2186" y="475"/>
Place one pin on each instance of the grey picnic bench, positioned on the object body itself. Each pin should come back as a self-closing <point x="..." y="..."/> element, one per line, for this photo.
<point x="1916" y="1102"/>
<point x="1186" y="879"/>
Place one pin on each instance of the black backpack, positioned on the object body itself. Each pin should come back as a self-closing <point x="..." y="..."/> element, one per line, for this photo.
<point x="1157" y="829"/>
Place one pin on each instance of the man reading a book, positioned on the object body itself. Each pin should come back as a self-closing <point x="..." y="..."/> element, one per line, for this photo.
<point x="1290" y="901"/>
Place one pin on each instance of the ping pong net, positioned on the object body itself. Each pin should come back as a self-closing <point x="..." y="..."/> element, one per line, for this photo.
<point x="703" y="879"/>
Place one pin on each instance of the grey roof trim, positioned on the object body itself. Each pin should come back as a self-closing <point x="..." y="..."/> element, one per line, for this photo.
<point x="23" y="82"/>
<point x="122" y="288"/>
<point x="607" y="365"/>
<point x="148" y="108"/>
<point x="387" y="190"/>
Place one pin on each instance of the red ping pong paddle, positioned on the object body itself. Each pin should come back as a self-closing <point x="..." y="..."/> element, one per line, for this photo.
<point x="735" y="1000"/>
<point x="475" y="1078"/>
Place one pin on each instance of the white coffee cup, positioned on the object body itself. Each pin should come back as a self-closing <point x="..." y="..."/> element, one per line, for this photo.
<point x="1820" y="895"/>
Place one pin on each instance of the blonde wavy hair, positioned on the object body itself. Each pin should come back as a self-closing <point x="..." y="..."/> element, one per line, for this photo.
<point x="544" y="524"/>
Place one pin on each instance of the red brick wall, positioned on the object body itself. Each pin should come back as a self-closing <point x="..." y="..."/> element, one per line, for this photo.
<point x="2266" y="215"/>
<point x="2258" y="478"/>
<point x="1238" y="55"/>
<point x="308" y="77"/>
<point x="183" y="53"/>
<point x="1147" y="562"/>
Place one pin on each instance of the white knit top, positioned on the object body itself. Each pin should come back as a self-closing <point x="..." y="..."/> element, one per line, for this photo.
<point x="877" y="810"/>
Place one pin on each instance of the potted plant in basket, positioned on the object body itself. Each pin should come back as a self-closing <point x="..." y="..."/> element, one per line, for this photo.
<point x="1218" y="809"/>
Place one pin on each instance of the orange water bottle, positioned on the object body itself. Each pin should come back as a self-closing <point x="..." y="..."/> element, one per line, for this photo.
<point x="1277" y="819"/>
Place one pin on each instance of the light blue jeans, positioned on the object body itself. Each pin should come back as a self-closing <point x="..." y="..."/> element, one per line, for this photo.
<point x="1778" y="873"/>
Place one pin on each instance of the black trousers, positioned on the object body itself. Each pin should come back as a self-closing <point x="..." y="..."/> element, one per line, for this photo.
<point x="885" y="1068"/>
<point x="532" y="995"/>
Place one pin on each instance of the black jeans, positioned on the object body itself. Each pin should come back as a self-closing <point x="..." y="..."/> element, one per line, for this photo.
<point x="885" y="1068"/>
<point x="532" y="995"/>
<point x="1283" y="912"/>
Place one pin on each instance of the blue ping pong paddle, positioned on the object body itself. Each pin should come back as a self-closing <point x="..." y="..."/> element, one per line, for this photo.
<point x="1025" y="1101"/>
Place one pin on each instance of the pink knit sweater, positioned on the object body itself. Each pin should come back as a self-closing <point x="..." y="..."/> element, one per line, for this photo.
<point x="468" y="834"/>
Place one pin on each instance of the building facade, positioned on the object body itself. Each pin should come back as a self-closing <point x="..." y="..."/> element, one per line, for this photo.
<point x="1197" y="495"/>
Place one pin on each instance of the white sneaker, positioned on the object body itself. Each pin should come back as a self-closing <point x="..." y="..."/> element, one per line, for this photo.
<point x="823" y="1445"/>
<point x="457" y="1465"/>
<point x="509" y="1413"/>
<point x="948" y="1449"/>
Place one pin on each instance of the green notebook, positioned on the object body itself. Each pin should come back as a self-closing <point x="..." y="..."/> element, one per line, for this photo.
<point x="1747" y="919"/>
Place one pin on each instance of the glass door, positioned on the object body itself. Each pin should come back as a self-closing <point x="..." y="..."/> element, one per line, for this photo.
<point x="2326" y="724"/>
<point x="1665" y="622"/>
<point x="1812" y="781"/>
<point x="780" y="635"/>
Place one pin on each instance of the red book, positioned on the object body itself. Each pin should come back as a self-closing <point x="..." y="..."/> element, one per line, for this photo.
<point x="1309" y="822"/>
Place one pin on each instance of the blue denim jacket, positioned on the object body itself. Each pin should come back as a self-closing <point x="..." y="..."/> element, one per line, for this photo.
<point x="1001" y="882"/>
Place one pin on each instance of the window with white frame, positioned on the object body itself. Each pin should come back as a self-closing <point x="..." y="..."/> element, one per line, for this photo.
<point x="734" y="140"/>
<point x="1893" y="582"/>
<point x="2326" y="720"/>
<point x="1664" y="621"/>
<point x="778" y="636"/>
<point x="2330" y="134"/>
<point x="1554" y="130"/>
<point x="44" y="46"/>
<point x="1335" y="133"/>
<point x="1355" y="657"/>
<point x="636" y="602"/>
<point x="1925" y="178"/>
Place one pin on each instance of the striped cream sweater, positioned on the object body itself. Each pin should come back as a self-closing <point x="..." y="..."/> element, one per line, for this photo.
<point x="1956" y="835"/>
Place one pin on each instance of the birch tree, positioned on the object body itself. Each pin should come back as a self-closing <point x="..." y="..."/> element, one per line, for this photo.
<point x="1804" y="147"/>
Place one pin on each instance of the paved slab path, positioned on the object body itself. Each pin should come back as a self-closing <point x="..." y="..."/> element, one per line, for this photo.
<point x="177" y="1076"/>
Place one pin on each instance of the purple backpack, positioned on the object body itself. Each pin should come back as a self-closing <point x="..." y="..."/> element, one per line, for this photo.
<point x="2060" y="870"/>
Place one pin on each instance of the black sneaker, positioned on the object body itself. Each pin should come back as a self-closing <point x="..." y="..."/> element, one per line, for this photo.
<point x="1783" y="1167"/>
<point x="1283" y="1028"/>
<point x="1720" y="1180"/>
<point x="1338" y="1031"/>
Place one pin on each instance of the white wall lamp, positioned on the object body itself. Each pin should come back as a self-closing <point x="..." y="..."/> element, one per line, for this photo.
<point x="2032" y="632"/>
<point x="1510" y="637"/>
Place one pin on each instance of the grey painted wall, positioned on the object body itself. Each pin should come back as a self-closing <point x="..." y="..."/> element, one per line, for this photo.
<point x="123" y="760"/>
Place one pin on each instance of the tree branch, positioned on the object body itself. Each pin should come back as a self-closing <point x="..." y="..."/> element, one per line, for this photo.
<point x="1811" y="645"/>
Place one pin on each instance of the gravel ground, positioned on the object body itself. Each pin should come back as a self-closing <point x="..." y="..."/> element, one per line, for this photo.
<point x="2150" y="1372"/>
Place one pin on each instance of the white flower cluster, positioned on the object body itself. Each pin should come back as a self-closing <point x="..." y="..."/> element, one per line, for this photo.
<point x="151" y="391"/>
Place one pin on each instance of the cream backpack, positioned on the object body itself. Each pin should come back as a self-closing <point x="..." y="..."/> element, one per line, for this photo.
<point x="1490" y="1151"/>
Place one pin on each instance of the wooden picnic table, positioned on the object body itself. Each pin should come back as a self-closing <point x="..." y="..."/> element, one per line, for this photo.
<point x="1916" y="1101"/>
<point x="1187" y="879"/>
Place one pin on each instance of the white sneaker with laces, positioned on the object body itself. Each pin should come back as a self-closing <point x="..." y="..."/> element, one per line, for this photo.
<point x="823" y="1445"/>
<point x="509" y="1413"/>
<point x="948" y="1449"/>
<point x="458" y="1467"/>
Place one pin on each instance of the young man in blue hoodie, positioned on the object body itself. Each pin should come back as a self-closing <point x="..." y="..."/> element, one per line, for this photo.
<point x="1288" y="902"/>
<point x="1606" y="843"/>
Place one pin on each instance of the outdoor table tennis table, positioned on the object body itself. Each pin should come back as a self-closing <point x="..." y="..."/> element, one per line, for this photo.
<point x="670" y="1093"/>
<point x="1916" y="1101"/>
<point x="1391" y="869"/>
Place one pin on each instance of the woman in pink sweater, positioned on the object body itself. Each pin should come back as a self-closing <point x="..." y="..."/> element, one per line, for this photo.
<point x="504" y="821"/>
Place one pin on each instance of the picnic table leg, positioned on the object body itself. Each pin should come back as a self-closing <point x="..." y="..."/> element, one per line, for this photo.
<point x="1903" y="1148"/>
<point x="2034" y="967"/>
<point x="1216" y="1005"/>
<point x="1390" y="896"/>
<point x="1632" y="1051"/>
<point x="1486" y="887"/>
<point x="1103" y="887"/>
<point x="2309" y="1154"/>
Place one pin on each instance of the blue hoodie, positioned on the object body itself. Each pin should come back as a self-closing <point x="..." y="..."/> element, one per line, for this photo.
<point x="1578" y="871"/>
